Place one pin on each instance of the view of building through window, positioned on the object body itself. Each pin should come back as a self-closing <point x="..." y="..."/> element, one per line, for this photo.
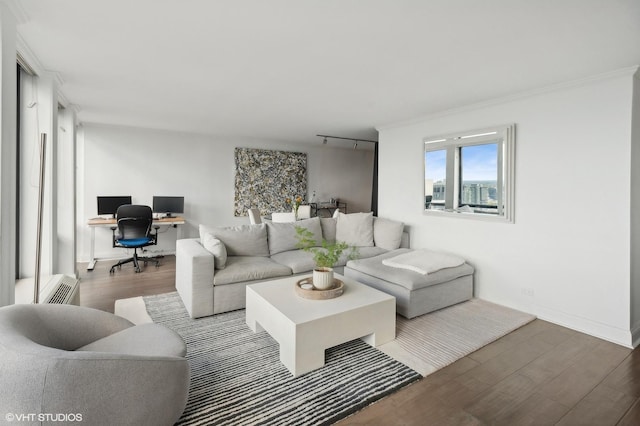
<point x="478" y="177"/>
<point x="435" y="178"/>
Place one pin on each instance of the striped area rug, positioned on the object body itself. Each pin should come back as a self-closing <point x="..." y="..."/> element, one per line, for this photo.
<point x="430" y="342"/>
<point x="237" y="377"/>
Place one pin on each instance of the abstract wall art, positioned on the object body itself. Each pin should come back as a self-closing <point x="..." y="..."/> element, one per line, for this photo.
<point x="265" y="178"/>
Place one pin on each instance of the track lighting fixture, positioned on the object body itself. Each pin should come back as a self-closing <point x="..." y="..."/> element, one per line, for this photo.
<point x="355" y="141"/>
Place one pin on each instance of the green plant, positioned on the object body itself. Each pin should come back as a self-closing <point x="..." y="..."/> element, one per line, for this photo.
<point x="328" y="253"/>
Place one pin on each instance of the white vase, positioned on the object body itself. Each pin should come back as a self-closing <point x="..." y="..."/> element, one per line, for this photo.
<point x="323" y="278"/>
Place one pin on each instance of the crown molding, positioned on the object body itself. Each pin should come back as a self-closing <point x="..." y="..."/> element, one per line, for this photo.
<point x="17" y="10"/>
<point x="57" y="77"/>
<point x="62" y="99"/>
<point x="28" y="56"/>
<point x="632" y="71"/>
<point x="30" y="60"/>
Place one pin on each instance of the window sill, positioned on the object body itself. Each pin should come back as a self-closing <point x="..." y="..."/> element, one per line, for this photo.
<point x="472" y="216"/>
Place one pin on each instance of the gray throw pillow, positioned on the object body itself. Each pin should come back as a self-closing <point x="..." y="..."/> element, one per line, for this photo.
<point x="387" y="233"/>
<point x="217" y="249"/>
<point x="283" y="236"/>
<point x="329" y="229"/>
<point x="355" y="229"/>
<point x="243" y="240"/>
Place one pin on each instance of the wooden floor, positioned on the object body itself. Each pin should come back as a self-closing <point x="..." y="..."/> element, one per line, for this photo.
<point x="99" y="289"/>
<point x="541" y="374"/>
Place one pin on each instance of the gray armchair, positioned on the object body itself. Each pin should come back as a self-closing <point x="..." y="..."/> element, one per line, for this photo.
<point x="73" y="360"/>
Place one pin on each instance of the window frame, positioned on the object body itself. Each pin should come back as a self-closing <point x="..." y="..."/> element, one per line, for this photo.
<point x="452" y="143"/>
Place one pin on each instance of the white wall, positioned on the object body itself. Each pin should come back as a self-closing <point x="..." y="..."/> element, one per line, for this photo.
<point x="635" y="212"/>
<point x="8" y="155"/>
<point x="142" y="163"/>
<point x="570" y="244"/>
<point x="66" y="193"/>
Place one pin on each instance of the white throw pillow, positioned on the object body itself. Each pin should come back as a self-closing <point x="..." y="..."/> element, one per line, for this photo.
<point x="217" y="249"/>
<point x="387" y="233"/>
<point x="355" y="229"/>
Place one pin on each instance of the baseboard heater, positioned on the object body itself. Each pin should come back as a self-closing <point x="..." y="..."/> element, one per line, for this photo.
<point x="62" y="290"/>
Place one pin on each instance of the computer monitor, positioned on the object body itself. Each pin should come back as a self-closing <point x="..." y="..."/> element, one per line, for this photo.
<point x="110" y="204"/>
<point x="168" y="205"/>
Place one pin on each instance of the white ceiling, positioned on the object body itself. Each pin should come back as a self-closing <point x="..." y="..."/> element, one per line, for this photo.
<point x="290" y="69"/>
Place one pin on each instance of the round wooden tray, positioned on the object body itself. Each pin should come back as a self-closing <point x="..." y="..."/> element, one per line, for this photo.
<point x="305" y="289"/>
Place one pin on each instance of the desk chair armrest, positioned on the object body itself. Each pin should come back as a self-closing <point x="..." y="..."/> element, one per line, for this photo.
<point x="154" y="235"/>
<point x="114" y="238"/>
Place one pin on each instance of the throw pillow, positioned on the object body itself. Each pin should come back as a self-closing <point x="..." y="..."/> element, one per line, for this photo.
<point x="217" y="249"/>
<point x="283" y="236"/>
<point x="355" y="229"/>
<point x="243" y="240"/>
<point x="328" y="229"/>
<point x="387" y="233"/>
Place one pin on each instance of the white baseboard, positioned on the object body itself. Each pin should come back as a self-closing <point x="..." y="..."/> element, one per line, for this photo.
<point x="593" y="328"/>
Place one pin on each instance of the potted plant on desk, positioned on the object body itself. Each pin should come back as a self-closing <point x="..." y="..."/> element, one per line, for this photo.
<point x="325" y="256"/>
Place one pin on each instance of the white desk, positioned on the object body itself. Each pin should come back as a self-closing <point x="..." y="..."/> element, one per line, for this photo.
<point x="110" y="222"/>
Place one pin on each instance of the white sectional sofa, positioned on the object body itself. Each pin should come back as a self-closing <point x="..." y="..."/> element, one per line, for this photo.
<point x="213" y="271"/>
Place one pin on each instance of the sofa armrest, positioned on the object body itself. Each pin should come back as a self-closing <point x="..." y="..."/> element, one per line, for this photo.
<point x="194" y="277"/>
<point x="404" y="242"/>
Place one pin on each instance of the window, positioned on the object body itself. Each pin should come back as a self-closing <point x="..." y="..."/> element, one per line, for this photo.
<point x="471" y="174"/>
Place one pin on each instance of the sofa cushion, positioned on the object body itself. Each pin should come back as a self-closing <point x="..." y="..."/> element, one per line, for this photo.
<point x="298" y="260"/>
<point x="355" y="229"/>
<point x="387" y="233"/>
<point x="361" y="253"/>
<point x="217" y="249"/>
<point x="366" y="252"/>
<point x="283" y="237"/>
<point x="249" y="268"/>
<point x="243" y="240"/>
<point x="410" y="280"/>
<point x="144" y="340"/>
<point x="301" y="261"/>
<point x="328" y="229"/>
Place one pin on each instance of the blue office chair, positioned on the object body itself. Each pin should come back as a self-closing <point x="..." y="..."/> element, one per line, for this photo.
<point x="134" y="231"/>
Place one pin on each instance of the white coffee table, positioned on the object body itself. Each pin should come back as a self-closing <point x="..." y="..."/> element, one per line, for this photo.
<point x="305" y="328"/>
